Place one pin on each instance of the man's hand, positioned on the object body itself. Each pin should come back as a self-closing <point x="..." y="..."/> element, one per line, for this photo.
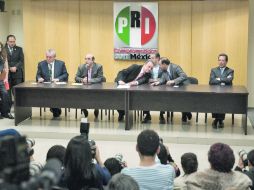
<point x="153" y="80"/>
<point x="98" y="157"/>
<point x="84" y="80"/>
<point x="3" y="74"/>
<point x="155" y="83"/>
<point x="218" y="79"/>
<point x="13" y="69"/>
<point x="240" y="163"/>
<point x="55" y="80"/>
<point x="120" y="82"/>
<point x="133" y="83"/>
<point x="170" y="82"/>
<point x="40" y="80"/>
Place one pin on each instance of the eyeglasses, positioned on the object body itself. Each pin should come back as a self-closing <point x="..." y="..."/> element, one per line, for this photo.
<point x="88" y="58"/>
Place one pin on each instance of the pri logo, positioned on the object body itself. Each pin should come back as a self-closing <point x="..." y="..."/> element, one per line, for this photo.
<point x="135" y="27"/>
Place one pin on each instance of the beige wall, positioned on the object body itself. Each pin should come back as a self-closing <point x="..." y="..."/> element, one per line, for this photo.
<point x="12" y="21"/>
<point x="251" y="54"/>
<point x="191" y="34"/>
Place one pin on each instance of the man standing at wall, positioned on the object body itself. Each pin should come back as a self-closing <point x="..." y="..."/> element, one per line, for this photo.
<point x="15" y="57"/>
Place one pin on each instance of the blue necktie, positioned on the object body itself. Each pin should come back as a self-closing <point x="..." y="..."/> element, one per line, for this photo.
<point x="50" y="72"/>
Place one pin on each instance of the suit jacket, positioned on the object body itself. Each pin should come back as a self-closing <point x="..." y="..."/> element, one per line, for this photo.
<point x="96" y="76"/>
<point x="177" y="74"/>
<point x="131" y="73"/>
<point x="16" y="59"/>
<point x="60" y="71"/>
<point x="226" y="77"/>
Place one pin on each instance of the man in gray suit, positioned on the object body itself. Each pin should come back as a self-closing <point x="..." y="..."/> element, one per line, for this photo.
<point x="52" y="70"/>
<point x="90" y="73"/>
<point x="221" y="75"/>
<point x="173" y="75"/>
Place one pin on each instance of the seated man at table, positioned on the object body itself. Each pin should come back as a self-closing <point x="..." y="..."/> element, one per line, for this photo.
<point x="90" y="73"/>
<point x="134" y="75"/>
<point x="173" y="75"/>
<point x="52" y="70"/>
<point x="221" y="75"/>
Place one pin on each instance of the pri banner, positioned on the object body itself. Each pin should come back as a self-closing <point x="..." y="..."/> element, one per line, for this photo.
<point x="135" y="30"/>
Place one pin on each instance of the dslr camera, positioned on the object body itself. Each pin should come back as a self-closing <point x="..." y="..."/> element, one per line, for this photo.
<point x="84" y="131"/>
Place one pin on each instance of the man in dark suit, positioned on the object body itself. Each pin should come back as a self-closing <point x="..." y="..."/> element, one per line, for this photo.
<point x="221" y="75"/>
<point x="134" y="75"/>
<point x="52" y="70"/>
<point x="90" y="73"/>
<point x="173" y="75"/>
<point x="15" y="59"/>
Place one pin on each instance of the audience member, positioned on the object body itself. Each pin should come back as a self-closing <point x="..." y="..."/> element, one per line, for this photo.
<point x="114" y="165"/>
<point x="149" y="174"/>
<point x="220" y="175"/>
<point x="122" y="182"/>
<point x="189" y="164"/>
<point x="250" y="171"/>
<point x="165" y="158"/>
<point x="80" y="171"/>
<point x="58" y="152"/>
<point x="5" y="102"/>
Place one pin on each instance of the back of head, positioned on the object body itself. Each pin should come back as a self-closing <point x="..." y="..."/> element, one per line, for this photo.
<point x="122" y="182"/>
<point x="163" y="154"/>
<point x="113" y="166"/>
<point x="165" y="61"/>
<point x="79" y="168"/>
<point x="189" y="163"/>
<point x="58" y="152"/>
<point x="148" y="142"/>
<point x="250" y="157"/>
<point x="221" y="157"/>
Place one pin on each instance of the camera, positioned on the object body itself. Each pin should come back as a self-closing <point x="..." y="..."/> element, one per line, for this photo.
<point x="243" y="155"/>
<point x="84" y="131"/>
<point x="14" y="159"/>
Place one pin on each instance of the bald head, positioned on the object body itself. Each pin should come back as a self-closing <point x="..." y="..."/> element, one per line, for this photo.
<point x="89" y="59"/>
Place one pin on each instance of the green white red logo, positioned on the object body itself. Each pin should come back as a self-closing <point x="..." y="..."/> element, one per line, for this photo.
<point x="136" y="24"/>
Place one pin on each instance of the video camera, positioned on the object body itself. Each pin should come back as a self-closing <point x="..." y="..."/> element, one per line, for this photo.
<point x="15" y="163"/>
<point x="84" y="131"/>
<point x="14" y="159"/>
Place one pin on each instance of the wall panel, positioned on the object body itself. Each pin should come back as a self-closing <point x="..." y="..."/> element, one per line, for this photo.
<point x="191" y="34"/>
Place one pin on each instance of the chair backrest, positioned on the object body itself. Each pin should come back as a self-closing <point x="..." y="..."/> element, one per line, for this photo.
<point x="103" y="79"/>
<point x="193" y="80"/>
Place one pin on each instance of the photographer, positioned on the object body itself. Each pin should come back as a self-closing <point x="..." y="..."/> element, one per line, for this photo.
<point x="80" y="171"/>
<point x="165" y="158"/>
<point x="242" y="163"/>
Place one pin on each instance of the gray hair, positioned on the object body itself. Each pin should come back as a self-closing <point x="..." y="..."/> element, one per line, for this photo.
<point x="51" y="52"/>
<point x="122" y="182"/>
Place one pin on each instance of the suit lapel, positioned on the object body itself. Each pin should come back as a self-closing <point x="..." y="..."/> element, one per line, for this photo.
<point x="46" y="69"/>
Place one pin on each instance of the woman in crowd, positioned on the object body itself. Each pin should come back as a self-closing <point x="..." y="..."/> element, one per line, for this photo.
<point x="5" y="105"/>
<point x="80" y="171"/>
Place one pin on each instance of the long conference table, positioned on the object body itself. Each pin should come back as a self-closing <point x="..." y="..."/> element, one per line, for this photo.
<point x="190" y="98"/>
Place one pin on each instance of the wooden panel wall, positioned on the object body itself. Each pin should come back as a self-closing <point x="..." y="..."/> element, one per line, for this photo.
<point x="191" y="34"/>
